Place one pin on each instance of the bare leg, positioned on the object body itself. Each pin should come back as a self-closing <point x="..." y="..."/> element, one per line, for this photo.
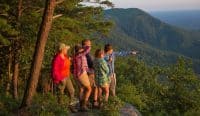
<point x="95" y="93"/>
<point x="96" y="104"/>
<point x="87" y="93"/>
<point x="81" y="93"/>
<point x="113" y="85"/>
<point x="106" y="90"/>
<point x="100" y="96"/>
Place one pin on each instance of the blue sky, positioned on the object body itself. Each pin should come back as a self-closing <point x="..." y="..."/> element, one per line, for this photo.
<point x="158" y="5"/>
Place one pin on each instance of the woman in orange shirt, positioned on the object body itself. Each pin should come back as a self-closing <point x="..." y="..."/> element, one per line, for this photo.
<point x="61" y="75"/>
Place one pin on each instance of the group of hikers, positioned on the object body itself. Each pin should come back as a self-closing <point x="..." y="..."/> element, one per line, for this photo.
<point x="94" y="76"/>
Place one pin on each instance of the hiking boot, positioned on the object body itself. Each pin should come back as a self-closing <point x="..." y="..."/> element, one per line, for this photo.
<point x="73" y="109"/>
<point x="84" y="107"/>
<point x="95" y="104"/>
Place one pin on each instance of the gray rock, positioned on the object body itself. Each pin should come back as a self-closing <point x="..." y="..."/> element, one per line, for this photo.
<point x="126" y="110"/>
<point x="129" y="110"/>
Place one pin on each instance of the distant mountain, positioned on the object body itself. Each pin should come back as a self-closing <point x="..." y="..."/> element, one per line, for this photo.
<point x="184" y="19"/>
<point x="157" y="41"/>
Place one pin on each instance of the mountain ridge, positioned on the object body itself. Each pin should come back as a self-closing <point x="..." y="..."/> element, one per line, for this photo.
<point x="136" y="28"/>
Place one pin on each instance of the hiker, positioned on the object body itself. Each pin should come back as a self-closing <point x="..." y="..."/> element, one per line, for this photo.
<point x="61" y="75"/>
<point x="101" y="76"/>
<point x="110" y="59"/>
<point x="80" y="73"/>
<point x="90" y="72"/>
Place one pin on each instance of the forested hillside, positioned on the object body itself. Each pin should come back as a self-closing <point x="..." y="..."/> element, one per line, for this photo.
<point x="136" y="29"/>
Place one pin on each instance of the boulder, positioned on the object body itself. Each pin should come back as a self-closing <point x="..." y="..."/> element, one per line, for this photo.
<point x="129" y="110"/>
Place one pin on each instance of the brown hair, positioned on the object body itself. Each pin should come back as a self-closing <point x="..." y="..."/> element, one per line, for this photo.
<point x="84" y="41"/>
<point x="77" y="48"/>
<point x="108" y="47"/>
<point x="98" y="53"/>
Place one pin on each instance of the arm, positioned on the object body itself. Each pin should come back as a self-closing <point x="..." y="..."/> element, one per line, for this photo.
<point x="86" y="51"/>
<point x="125" y="53"/>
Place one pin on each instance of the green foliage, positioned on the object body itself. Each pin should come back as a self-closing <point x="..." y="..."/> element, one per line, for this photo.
<point x="112" y="108"/>
<point x="193" y="112"/>
<point x="183" y="86"/>
<point x="7" y="104"/>
<point x="7" y="31"/>
<point x="47" y="105"/>
<point x="44" y="105"/>
<point x="129" y="93"/>
<point x="171" y="90"/>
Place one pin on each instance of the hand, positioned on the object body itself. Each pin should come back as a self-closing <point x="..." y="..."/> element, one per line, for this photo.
<point x="134" y="52"/>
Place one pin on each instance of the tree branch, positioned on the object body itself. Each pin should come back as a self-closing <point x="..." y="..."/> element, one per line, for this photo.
<point x="59" y="1"/>
<point x="56" y="16"/>
<point x="5" y="14"/>
<point x="40" y="10"/>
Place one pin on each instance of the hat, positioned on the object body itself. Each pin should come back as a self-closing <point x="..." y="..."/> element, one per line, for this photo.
<point x="62" y="46"/>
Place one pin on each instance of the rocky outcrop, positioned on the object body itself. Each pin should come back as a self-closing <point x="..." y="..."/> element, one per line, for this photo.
<point x="129" y="110"/>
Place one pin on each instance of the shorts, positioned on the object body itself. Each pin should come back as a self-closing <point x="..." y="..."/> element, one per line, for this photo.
<point x="92" y="80"/>
<point x="102" y="81"/>
<point x="83" y="80"/>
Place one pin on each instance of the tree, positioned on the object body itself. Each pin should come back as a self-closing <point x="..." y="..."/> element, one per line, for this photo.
<point x="16" y="52"/>
<point x="39" y="52"/>
<point x="7" y="34"/>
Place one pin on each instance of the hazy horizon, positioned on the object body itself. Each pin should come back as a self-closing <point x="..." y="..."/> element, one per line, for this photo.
<point x="156" y="5"/>
<point x="176" y="10"/>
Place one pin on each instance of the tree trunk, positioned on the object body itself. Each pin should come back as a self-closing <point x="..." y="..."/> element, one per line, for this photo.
<point x="39" y="53"/>
<point x="15" y="81"/>
<point x="16" y="55"/>
<point x="19" y="10"/>
<point x="16" y="69"/>
<point x="9" y="71"/>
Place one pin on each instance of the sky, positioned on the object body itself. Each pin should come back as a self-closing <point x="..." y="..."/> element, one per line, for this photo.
<point x="158" y="5"/>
